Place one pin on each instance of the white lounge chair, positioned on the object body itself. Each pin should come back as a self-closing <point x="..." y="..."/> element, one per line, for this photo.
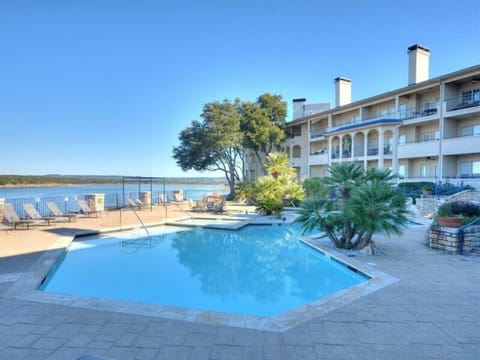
<point x="85" y="209"/>
<point x="135" y="203"/>
<point x="11" y="218"/>
<point x="33" y="214"/>
<point x="57" y="213"/>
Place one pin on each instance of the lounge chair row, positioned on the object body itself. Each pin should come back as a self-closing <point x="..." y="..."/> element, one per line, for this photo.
<point x="11" y="220"/>
<point x="213" y="203"/>
<point x="134" y="203"/>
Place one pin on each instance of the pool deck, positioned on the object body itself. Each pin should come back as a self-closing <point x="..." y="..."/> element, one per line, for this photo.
<point x="431" y="312"/>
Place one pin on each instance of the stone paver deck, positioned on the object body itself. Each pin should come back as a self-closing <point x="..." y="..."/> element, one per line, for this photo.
<point x="431" y="312"/>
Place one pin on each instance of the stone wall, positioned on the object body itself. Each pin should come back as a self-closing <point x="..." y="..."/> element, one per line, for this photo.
<point x="446" y="239"/>
<point x="472" y="239"/>
<point x="427" y="206"/>
<point x="466" y="195"/>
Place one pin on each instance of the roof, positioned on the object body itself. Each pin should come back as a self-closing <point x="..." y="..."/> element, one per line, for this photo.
<point x="408" y="88"/>
<point x="364" y="124"/>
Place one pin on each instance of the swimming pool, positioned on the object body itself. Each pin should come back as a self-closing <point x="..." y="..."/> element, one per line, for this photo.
<point x="259" y="270"/>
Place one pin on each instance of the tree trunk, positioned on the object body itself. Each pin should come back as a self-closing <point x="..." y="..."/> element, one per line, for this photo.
<point x="363" y="241"/>
<point x="260" y="162"/>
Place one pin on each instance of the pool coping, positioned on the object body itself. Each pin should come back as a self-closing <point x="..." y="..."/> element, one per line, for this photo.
<point x="26" y="288"/>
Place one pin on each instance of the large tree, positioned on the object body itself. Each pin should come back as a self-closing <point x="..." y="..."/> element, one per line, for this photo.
<point x="263" y="124"/>
<point x="215" y="143"/>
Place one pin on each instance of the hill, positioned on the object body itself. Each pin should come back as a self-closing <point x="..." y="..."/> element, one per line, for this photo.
<point x="54" y="179"/>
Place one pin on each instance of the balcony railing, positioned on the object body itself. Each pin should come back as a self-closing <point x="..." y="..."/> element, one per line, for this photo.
<point x="318" y="132"/>
<point x="372" y="115"/>
<point x="415" y="112"/>
<point x="319" y="152"/>
<point x="458" y="103"/>
<point x="342" y="122"/>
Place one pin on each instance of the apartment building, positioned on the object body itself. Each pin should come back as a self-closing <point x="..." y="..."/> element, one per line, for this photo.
<point x="428" y="130"/>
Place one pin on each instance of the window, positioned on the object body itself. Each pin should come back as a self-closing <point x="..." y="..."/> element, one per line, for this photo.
<point x="296" y="151"/>
<point x="471" y="96"/>
<point x="401" y="171"/>
<point x="476" y="95"/>
<point x="435" y="170"/>
<point x="472" y="130"/>
<point x="437" y="134"/>
<point x="470" y="169"/>
<point x="465" y="169"/>
<point x="403" y="111"/>
<point x="467" y="97"/>
<point x="426" y="137"/>
<point x="296" y="130"/>
<point x="476" y="168"/>
<point x="425" y="169"/>
<point x="402" y="139"/>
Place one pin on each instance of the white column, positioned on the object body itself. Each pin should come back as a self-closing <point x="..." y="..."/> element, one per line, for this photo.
<point x="330" y="150"/>
<point x="381" y="142"/>
<point x="395" y="132"/>
<point x="352" y="146"/>
<point x="365" y="149"/>
<point x="340" y="155"/>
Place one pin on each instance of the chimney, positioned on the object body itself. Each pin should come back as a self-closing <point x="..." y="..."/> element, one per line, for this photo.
<point x="418" y="63"/>
<point x="343" y="91"/>
<point x="299" y="108"/>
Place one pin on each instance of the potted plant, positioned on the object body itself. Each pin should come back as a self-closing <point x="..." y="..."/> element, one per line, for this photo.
<point x="427" y="188"/>
<point x="456" y="213"/>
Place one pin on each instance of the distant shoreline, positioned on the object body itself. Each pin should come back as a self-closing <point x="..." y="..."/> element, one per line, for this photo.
<point x="32" y="181"/>
<point x="28" y="186"/>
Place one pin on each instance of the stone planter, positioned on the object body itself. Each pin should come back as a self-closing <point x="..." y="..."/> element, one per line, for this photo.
<point x="450" y="221"/>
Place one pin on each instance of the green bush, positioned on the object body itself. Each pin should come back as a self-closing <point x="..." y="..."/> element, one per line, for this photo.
<point x="415" y="188"/>
<point x="269" y="206"/>
<point x="315" y="187"/>
<point x="466" y="209"/>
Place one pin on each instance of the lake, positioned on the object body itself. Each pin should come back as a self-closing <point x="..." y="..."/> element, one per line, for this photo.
<point x="113" y="192"/>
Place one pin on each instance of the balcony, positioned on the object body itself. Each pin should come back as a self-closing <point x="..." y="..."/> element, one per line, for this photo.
<point x="319" y="158"/>
<point x="415" y="115"/>
<point x="461" y="145"/>
<point x="314" y="133"/>
<point x="418" y="149"/>
<point x="459" y="106"/>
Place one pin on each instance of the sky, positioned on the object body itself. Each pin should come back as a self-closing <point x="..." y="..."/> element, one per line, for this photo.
<point x="103" y="87"/>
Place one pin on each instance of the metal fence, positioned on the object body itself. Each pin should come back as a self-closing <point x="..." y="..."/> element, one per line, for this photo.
<point x="112" y="201"/>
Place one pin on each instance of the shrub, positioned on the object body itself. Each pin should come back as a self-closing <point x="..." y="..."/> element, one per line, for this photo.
<point x="466" y="209"/>
<point x="315" y="187"/>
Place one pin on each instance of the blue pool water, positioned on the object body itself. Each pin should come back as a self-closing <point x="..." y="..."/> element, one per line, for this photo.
<point x="258" y="270"/>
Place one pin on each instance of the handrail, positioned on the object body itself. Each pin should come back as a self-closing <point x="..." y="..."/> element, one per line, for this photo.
<point x="184" y="211"/>
<point x="461" y="234"/>
<point x="141" y="222"/>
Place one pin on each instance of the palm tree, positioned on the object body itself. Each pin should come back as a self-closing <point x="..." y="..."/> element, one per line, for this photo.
<point x="369" y="202"/>
<point x="277" y="164"/>
<point x="345" y="176"/>
<point x="376" y="206"/>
